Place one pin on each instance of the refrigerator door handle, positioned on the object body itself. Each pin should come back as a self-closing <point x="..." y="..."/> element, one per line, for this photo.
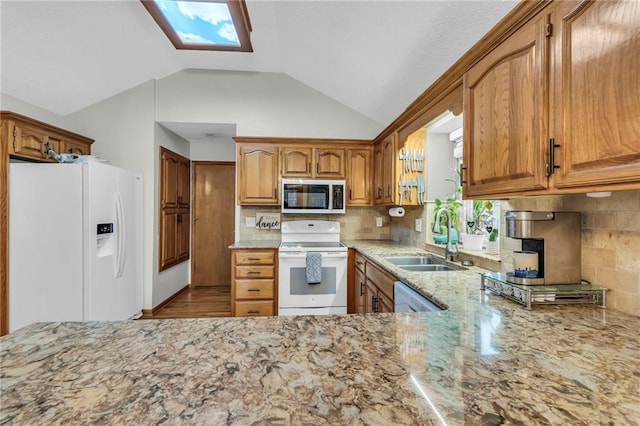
<point x="121" y="229"/>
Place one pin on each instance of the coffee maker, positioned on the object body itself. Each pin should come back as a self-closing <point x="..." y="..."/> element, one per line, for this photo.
<point x="555" y="237"/>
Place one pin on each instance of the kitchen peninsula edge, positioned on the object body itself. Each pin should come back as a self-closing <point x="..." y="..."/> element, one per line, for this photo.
<point x="484" y="360"/>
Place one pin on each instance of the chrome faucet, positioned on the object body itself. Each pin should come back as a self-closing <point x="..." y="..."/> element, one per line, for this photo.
<point x="451" y="250"/>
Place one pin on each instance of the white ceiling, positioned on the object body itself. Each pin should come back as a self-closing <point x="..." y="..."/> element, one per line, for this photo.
<point x="374" y="56"/>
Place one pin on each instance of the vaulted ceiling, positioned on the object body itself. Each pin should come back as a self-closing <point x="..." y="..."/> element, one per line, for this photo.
<point x="375" y="56"/>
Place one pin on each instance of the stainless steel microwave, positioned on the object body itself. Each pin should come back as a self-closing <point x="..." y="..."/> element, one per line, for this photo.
<point x="313" y="196"/>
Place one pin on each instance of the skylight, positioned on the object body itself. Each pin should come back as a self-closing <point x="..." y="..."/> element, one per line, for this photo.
<point x="203" y="24"/>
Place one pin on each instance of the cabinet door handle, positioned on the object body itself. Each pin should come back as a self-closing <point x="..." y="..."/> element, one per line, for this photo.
<point x="462" y="169"/>
<point x="374" y="304"/>
<point x="253" y="289"/>
<point x="389" y="191"/>
<point x="253" y="273"/>
<point x="379" y="192"/>
<point x="275" y="192"/>
<point x="253" y="311"/>
<point x="254" y="259"/>
<point x="350" y="195"/>
<point x="317" y="168"/>
<point x="359" y="263"/>
<point x="551" y="165"/>
<point x="361" y="288"/>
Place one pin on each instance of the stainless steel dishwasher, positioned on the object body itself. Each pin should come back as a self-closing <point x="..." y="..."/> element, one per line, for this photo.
<point x="409" y="300"/>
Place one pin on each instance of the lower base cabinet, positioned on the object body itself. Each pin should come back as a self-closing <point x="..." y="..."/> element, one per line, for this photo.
<point x="373" y="287"/>
<point x="253" y="282"/>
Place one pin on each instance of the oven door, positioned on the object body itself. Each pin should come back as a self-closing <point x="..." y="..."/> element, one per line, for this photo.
<point x="294" y="293"/>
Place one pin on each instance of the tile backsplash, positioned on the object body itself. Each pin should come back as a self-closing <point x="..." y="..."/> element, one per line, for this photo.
<point x="610" y="237"/>
<point x="610" y="241"/>
<point x="359" y="223"/>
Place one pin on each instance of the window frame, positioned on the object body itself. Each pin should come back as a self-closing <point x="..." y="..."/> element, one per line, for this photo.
<point x="239" y="14"/>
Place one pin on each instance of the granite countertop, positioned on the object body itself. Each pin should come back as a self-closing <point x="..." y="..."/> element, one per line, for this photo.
<point x="255" y="244"/>
<point x="484" y="360"/>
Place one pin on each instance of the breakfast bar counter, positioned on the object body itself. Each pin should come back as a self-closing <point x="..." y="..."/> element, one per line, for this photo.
<point x="483" y="360"/>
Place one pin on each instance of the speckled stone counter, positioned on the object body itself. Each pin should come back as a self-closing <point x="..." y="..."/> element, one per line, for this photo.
<point x="484" y="360"/>
<point x="255" y="244"/>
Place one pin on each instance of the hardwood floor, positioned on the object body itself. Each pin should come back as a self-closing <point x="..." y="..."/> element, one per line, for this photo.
<point x="197" y="302"/>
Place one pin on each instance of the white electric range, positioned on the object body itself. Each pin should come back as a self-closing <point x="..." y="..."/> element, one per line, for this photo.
<point x="295" y="295"/>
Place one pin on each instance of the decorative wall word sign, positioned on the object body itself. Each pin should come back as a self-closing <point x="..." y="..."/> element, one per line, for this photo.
<point x="267" y="220"/>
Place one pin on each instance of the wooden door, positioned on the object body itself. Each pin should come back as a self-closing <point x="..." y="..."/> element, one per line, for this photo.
<point x="29" y="141"/>
<point x="505" y="115"/>
<point x="388" y="170"/>
<point x="169" y="168"/>
<point x="360" y="292"/>
<point x="330" y="163"/>
<point x="296" y="161"/>
<point x="377" y="173"/>
<point x="258" y="175"/>
<point x="213" y="222"/>
<point x="597" y="92"/>
<point x="371" y="298"/>
<point x="359" y="177"/>
<point x="184" y="183"/>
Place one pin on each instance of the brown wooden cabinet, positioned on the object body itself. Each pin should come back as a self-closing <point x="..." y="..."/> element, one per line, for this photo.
<point x="253" y="282"/>
<point x="596" y="96"/>
<point x="384" y="162"/>
<point x="175" y="209"/>
<point x="360" y="284"/>
<point x="296" y="162"/>
<point x="321" y="163"/>
<point x="555" y="107"/>
<point x="330" y="163"/>
<point x="359" y="177"/>
<point x="505" y="115"/>
<point x="258" y="174"/>
<point x="27" y="138"/>
<point x="379" y="289"/>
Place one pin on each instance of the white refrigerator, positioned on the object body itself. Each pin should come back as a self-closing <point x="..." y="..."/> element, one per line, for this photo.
<point x="75" y="243"/>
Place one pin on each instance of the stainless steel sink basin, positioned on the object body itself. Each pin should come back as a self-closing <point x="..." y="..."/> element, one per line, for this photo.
<point x="412" y="260"/>
<point x="425" y="263"/>
<point x="432" y="268"/>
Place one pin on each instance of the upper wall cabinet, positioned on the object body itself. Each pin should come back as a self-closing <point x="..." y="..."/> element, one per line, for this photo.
<point x="359" y="177"/>
<point x="596" y="50"/>
<point x="505" y="115"/>
<point x="28" y="138"/>
<point x="176" y="180"/>
<point x="384" y="162"/>
<point x="258" y="177"/>
<point x="324" y="163"/>
<point x="555" y="107"/>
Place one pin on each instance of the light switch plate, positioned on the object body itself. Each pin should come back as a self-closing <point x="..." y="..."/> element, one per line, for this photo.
<point x="250" y="222"/>
<point x="419" y="225"/>
<point x="379" y="222"/>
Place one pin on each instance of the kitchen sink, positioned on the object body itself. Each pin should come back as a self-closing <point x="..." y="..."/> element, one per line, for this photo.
<point x="423" y="263"/>
<point x="412" y="260"/>
<point x="432" y="268"/>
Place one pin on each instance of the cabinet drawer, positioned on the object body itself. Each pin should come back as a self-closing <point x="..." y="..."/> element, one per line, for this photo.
<point x="254" y="309"/>
<point x="255" y="272"/>
<point x="359" y="259"/>
<point x="255" y="289"/>
<point x="254" y="257"/>
<point x="381" y="279"/>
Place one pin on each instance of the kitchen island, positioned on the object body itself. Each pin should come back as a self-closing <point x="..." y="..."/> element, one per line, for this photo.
<point x="483" y="360"/>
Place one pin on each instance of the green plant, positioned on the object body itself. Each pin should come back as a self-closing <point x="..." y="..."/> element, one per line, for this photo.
<point x="481" y="217"/>
<point x="493" y="234"/>
<point x="451" y="204"/>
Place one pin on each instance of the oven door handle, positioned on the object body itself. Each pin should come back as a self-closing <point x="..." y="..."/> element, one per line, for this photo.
<point x="302" y="255"/>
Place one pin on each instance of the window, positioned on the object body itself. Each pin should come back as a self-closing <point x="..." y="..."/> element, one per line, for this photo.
<point x="203" y="24"/>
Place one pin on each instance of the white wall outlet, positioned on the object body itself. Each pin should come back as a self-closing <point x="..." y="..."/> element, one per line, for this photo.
<point x="250" y="222"/>
<point x="419" y="225"/>
<point x="379" y="222"/>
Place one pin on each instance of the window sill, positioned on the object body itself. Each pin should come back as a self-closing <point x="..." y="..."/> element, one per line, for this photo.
<point x="479" y="258"/>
